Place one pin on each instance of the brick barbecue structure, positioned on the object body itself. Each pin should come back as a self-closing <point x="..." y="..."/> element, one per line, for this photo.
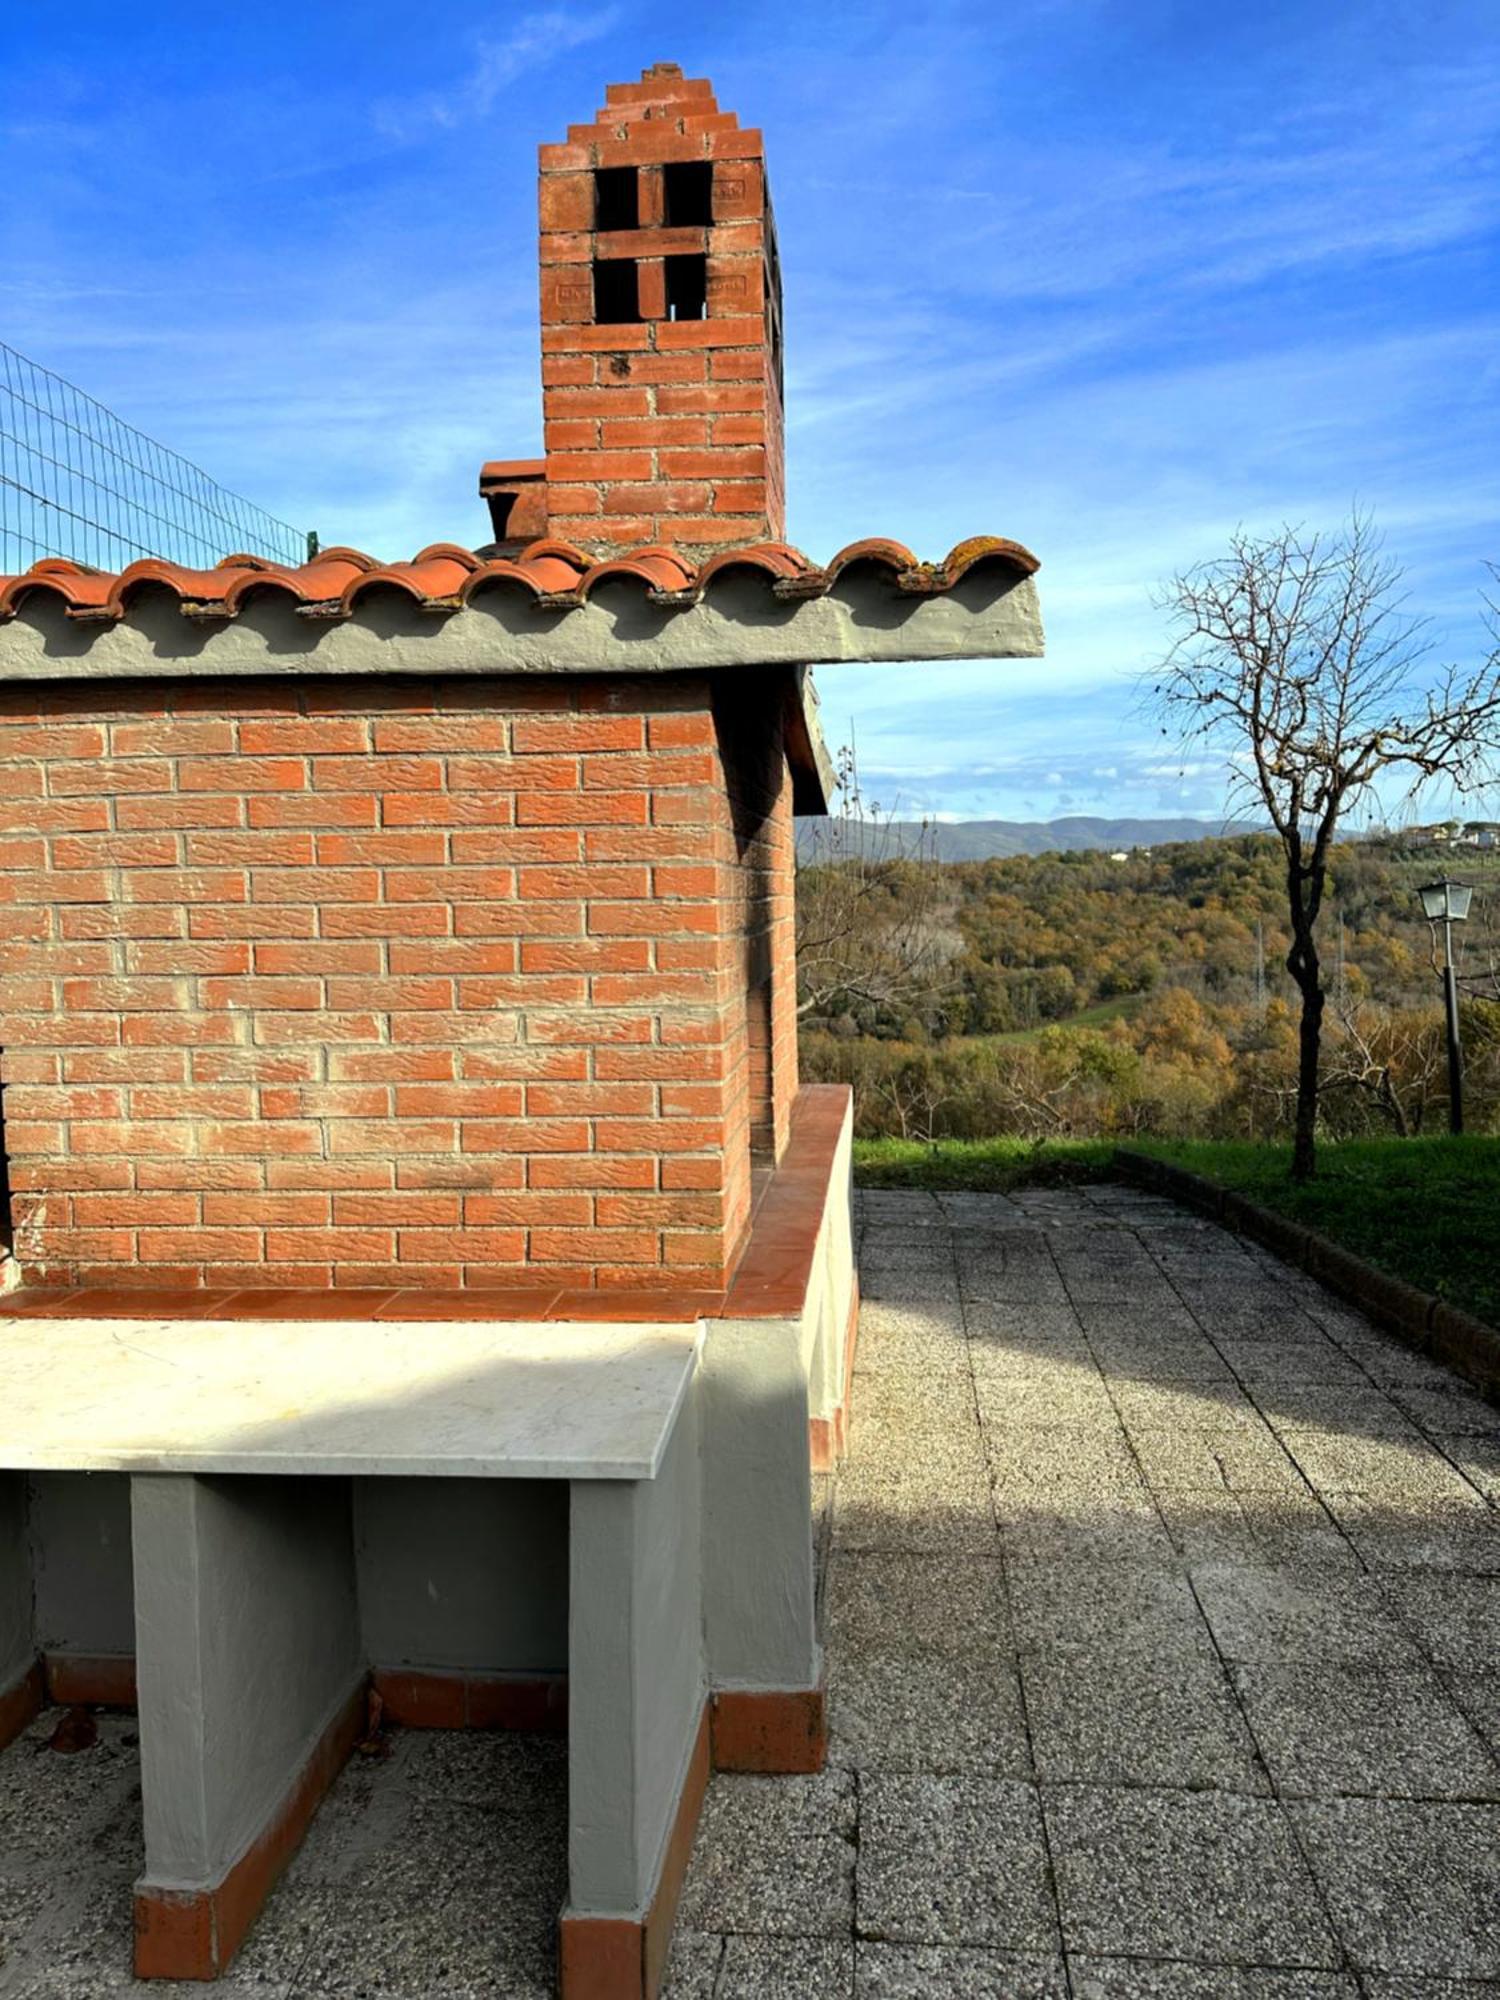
<point x="391" y="944"/>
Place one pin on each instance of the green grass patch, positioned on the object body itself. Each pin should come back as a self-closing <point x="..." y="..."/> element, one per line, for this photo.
<point x="990" y="1165"/>
<point x="1426" y="1210"/>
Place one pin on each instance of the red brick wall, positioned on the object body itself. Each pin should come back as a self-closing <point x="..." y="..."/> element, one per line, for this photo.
<point x="365" y="984"/>
<point x="661" y="429"/>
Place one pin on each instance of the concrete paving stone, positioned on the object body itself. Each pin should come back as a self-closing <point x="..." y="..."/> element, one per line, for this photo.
<point x="938" y="1504"/>
<point x="918" y="1255"/>
<point x="1389" y="1364"/>
<point x="886" y="1397"/>
<point x="757" y="1968"/>
<point x="1448" y="1412"/>
<point x="1478" y="1459"/>
<point x="499" y="1770"/>
<point x="1066" y="1393"/>
<point x="1387" y="1733"/>
<point x="1168" y="1720"/>
<point x="900" y="1712"/>
<point x="1211" y="1877"/>
<point x="1454" y="1619"/>
<point x="1111" y="1319"/>
<point x="917" y="1438"/>
<point x="1185" y="1406"/>
<point x="905" y="1207"/>
<point x="692" y="1968"/>
<point x="1007" y="1281"/>
<point x="1478" y="1695"/>
<point x="1147" y="1360"/>
<point x="389" y="1947"/>
<point x="26" y="1901"/>
<point x="953" y="1860"/>
<point x="1074" y="1528"/>
<point x="1239" y="1460"/>
<point x="1162" y="1979"/>
<point x="773" y="1888"/>
<point x="917" y="1604"/>
<point x="1273" y="1322"/>
<point x="906" y="1287"/>
<point x="979" y="1211"/>
<point x="1378" y="1986"/>
<point x="1420" y="1534"/>
<point x="1290" y="1613"/>
<point x="1264" y="1366"/>
<point x="1079" y="1458"/>
<point x="744" y="1806"/>
<point x="1339" y="1414"/>
<point x="1412" y="1888"/>
<point x="1141" y="1611"/>
<point x="1389" y="1468"/>
<point x="938" y="1972"/>
<point x="1282" y="1528"/>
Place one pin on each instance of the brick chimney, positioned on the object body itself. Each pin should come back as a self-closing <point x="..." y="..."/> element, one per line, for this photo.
<point x="661" y="330"/>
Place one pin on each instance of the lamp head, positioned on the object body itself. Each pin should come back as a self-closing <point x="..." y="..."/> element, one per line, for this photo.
<point x="1445" y="902"/>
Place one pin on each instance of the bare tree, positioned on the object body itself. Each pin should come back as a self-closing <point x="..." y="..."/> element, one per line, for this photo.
<point x="872" y="929"/>
<point x="1295" y="657"/>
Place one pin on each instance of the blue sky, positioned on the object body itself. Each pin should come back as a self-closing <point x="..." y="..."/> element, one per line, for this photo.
<point x="1109" y="278"/>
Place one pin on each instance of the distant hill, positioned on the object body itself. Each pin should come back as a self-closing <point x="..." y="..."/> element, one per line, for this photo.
<point x="992" y="839"/>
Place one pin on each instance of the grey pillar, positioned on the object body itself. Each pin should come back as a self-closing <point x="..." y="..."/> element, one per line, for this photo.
<point x="758" y="1587"/>
<point x="17" y="1645"/>
<point x="635" y="1674"/>
<point x="247" y="1648"/>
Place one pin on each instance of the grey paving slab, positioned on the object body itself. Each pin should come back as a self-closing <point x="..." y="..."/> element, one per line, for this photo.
<point x="1078" y="1529"/>
<point x="1452" y="1534"/>
<point x="1078" y="1458"/>
<point x="939" y="1972"/>
<point x="765" y="1886"/>
<point x="1211" y="1877"/>
<point x="758" y="1968"/>
<point x="913" y="1603"/>
<point x="1412" y="1888"/>
<point x="1326" y="1729"/>
<point x="1286" y="1613"/>
<point x="1163" y="1979"/>
<point x="1110" y="1609"/>
<point x="933" y="1713"/>
<point x="1454" y="1619"/>
<point x="954" y="1861"/>
<point x="692" y="1969"/>
<point x="1256" y="1528"/>
<point x="1169" y="1719"/>
<point x="1248" y="1459"/>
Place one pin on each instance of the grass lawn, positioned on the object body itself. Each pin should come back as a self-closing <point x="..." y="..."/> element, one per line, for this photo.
<point x="1427" y="1210"/>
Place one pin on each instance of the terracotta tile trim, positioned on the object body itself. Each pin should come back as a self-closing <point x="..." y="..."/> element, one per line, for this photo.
<point x="623" y="1958"/>
<point x="194" y="1933"/>
<point x="423" y="1698"/>
<point x="85" y="1680"/>
<point x="775" y="1730"/>
<point x="20" y="1703"/>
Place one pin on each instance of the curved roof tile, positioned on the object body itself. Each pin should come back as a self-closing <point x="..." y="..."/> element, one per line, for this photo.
<point x="444" y="577"/>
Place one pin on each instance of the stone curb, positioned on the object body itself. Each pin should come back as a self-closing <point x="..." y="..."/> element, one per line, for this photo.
<point x="1467" y="1345"/>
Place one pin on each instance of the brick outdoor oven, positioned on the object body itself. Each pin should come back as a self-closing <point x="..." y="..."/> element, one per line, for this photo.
<point x="413" y="942"/>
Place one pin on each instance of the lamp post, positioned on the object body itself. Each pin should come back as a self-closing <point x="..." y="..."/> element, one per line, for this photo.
<point x="1447" y="903"/>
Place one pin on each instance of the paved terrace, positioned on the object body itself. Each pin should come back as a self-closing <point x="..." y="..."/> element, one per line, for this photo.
<point x="1163" y="1605"/>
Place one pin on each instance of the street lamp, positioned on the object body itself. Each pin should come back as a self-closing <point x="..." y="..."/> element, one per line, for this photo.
<point x="1447" y="903"/>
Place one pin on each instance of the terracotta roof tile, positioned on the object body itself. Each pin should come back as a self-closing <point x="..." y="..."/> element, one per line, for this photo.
<point x="445" y="577"/>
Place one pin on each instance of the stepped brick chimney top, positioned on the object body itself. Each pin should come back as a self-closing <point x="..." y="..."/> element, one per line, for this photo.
<point x="661" y="333"/>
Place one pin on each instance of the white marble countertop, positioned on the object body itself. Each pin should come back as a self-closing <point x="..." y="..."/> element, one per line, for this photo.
<point x="461" y="1400"/>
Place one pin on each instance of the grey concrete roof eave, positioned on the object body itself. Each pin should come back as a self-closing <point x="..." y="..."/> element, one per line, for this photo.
<point x="989" y="613"/>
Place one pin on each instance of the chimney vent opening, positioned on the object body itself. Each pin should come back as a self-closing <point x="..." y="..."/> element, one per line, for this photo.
<point x="687" y="287"/>
<point x="688" y="194"/>
<point x="616" y="200"/>
<point x="616" y="294"/>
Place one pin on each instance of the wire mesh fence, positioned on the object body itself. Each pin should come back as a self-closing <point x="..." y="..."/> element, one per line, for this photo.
<point x="75" y="481"/>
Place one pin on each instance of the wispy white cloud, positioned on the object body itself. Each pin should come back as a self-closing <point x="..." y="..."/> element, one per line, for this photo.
<point x="497" y="62"/>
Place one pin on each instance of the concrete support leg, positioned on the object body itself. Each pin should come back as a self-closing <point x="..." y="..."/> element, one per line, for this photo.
<point x="637" y="1730"/>
<point x="20" y="1676"/>
<point x="251" y="1683"/>
<point x="760" y="1625"/>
